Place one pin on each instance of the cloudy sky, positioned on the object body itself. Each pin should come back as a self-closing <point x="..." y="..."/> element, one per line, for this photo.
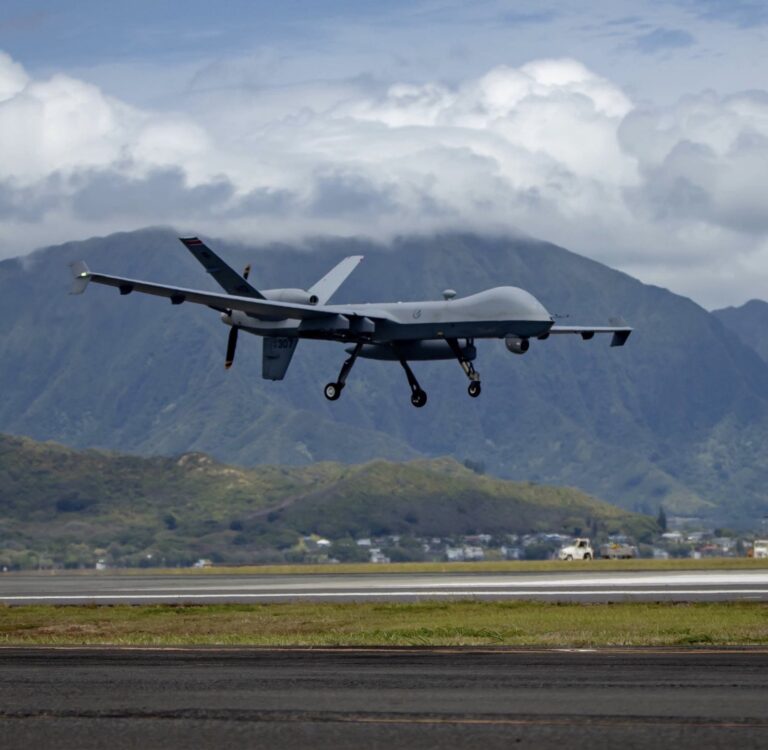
<point x="632" y="132"/>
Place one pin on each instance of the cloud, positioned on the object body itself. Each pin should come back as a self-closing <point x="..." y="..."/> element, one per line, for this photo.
<point x="703" y="160"/>
<point x="529" y="18"/>
<point x="672" y="194"/>
<point x="663" y="39"/>
<point x="743" y="13"/>
<point x="13" y="77"/>
<point x="151" y="198"/>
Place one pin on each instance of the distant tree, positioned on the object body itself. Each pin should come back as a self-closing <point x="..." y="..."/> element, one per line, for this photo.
<point x="679" y="550"/>
<point x="539" y="551"/>
<point x="170" y="521"/>
<point x="645" y="534"/>
<point x="661" y="519"/>
<point x="477" y="466"/>
<point x="347" y="550"/>
<point x="725" y="532"/>
<point x="72" y="503"/>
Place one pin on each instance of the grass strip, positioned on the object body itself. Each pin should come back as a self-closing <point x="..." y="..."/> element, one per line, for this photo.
<point x="500" y="566"/>
<point x="455" y="623"/>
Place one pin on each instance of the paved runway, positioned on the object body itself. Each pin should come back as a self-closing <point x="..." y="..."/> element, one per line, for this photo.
<point x="595" y="586"/>
<point x="383" y="698"/>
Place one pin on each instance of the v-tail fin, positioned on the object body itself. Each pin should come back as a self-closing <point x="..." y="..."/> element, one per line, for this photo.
<point x="327" y="286"/>
<point x="226" y="277"/>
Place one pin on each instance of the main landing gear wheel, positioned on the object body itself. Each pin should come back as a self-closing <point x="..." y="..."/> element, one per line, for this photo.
<point x="474" y="388"/>
<point x="418" y="398"/>
<point x="332" y="391"/>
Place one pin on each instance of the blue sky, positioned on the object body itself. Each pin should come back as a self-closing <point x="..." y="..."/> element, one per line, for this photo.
<point x="635" y="133"/>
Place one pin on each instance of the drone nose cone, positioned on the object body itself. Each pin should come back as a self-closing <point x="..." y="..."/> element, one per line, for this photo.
<point x="226" y="318"/>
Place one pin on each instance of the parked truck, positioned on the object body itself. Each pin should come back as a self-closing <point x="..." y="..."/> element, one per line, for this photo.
<point x="618" y="551"/>
<point x="579" y="549"/>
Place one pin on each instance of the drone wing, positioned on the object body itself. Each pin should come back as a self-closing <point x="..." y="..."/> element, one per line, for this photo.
<point x="223" y="302"/>
<point x="620" y="332"/>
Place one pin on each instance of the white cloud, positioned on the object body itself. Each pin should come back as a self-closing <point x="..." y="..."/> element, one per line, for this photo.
<point x="672" y="194"/>
<point x="13" y="77"/>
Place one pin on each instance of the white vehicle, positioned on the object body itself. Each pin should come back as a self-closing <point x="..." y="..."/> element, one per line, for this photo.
<point x="760" y="549"/>
<point x="580" y="549"/>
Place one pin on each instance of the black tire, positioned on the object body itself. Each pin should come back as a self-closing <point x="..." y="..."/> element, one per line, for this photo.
<point x="474" y="389"/>
<point x="569" y="557"/>
<point x="332" y="391"/>
<point x="587" y="556"/>
<point x="418" y="398"/>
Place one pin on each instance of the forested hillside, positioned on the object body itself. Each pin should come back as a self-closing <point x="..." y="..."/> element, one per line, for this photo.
<point x="72" y="508"/>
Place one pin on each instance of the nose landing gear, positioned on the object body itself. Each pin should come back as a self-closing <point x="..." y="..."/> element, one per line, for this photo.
<point x="419" y="398"/>
<point x="474" y="388"/>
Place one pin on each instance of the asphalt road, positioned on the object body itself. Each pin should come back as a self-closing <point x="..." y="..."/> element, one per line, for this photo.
<point x="380" y="698"/>
<point x="106" y="587"/>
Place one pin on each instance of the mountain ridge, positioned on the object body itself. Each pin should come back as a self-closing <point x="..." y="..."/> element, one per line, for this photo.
<point x="749" y="322"/>
<point x="677" y="416"/>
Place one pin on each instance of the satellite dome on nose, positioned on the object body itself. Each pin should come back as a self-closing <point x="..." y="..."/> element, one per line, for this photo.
<point x="449" y="294"/>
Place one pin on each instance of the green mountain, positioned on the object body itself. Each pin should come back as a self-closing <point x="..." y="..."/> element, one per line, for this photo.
<point x="679" y="416"/>
<point x="749" y="322"/>
<point x="74" y="507"/>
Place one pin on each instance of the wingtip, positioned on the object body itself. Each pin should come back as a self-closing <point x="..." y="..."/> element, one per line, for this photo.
<point x="81" y="275"/>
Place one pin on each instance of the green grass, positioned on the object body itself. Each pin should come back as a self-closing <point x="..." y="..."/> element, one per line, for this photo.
<point x="458" y="623"/>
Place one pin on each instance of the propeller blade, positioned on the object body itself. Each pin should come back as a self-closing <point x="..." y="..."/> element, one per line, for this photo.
<point x="231" y="346"/>
<point x="247" y="272"/>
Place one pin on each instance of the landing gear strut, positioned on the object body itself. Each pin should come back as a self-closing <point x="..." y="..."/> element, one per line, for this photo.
<point x="418" y="396"/>
<point x="333" y="390"/>
<point x="474" y="388"/>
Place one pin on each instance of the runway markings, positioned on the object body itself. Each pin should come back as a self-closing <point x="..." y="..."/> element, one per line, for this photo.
<point x="674" y="580"/>
<point x="326" y="717"/>
<point x="384" y="594"/>
<point x="568" y="586"/>
<point x="576" y="721"/>
<point x="689" y="652"/>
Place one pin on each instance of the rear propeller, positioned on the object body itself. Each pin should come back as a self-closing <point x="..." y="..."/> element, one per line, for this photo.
<point x="232" y="340"/>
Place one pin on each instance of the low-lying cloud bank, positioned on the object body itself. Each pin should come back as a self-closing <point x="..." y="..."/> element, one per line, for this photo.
<point x="674" y="195"/>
